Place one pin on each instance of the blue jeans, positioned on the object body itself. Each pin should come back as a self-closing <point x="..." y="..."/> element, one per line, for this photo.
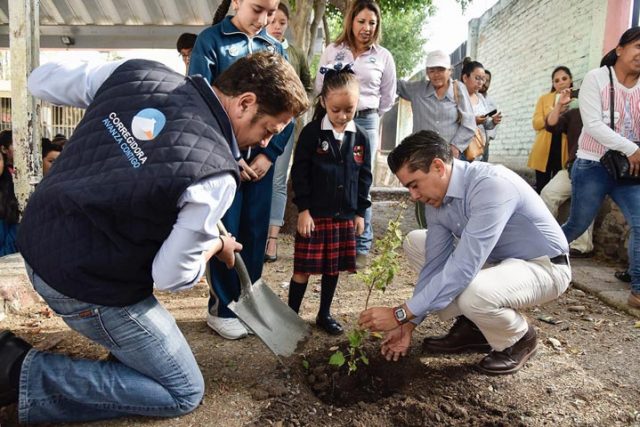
<point x="279" y="196"/>
<point x="156" y="375"/>
<point x="590" y="184"/>
<point x="371" y="123"/>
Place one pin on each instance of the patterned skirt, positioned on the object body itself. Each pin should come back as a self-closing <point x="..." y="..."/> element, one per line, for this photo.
<point x="330" y="249"/>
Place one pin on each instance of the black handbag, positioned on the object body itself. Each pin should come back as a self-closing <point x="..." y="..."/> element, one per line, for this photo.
<point x="615" y="162"/>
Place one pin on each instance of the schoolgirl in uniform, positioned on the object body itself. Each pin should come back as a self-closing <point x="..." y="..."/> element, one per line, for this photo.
<point x="331" y="176"/>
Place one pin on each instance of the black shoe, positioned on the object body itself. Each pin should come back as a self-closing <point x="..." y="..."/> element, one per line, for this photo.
<point x="574" y="253"/>
<point x="271" y="258"/>
<point x="623" y="276"/>
<point x="329" y="324"/>
<point x="12" y="351"/>
<point x="463" y="337"/>
<point x="510" y="360"/>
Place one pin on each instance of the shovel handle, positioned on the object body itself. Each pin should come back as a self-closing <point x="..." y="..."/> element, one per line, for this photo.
<point x="241" y="268"/>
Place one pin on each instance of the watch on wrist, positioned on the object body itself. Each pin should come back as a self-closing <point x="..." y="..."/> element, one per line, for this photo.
<point x="400" y="314"/>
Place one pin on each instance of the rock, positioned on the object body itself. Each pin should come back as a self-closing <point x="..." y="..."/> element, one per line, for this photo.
<point x="576" y="308"/>
<point x="554" y="342"/>
<point x="259" y="394"/>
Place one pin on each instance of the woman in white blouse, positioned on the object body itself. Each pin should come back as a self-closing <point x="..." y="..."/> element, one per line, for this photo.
<point x="473" y="77"/>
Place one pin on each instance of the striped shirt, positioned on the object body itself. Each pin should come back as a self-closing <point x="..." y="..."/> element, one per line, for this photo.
<point x="440" y="115"/>
<point x="494" y="215"/>
<point x="597" y="136"/>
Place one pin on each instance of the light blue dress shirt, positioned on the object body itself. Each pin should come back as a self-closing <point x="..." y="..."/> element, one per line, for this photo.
<point x="495" y="215"/>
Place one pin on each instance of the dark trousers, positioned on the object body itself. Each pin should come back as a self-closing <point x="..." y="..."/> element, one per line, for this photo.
<point x="248" y="220"/>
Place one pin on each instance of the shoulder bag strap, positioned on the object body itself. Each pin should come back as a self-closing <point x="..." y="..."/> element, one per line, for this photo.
<point x="456" y="97"/>
<point x="611" y="96"/>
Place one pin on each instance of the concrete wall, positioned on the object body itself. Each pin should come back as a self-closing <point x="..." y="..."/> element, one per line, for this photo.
<point x="521" y="42"/>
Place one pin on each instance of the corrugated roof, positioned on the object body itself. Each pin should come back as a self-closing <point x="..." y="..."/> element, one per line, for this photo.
<point x="115" y="24"/>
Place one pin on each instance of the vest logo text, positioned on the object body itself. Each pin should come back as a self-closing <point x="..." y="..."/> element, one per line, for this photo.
<point x="127" y="143"/>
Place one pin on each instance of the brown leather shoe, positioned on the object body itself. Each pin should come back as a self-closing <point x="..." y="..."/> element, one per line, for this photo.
<point x="463" y="337"/>
<point x="511" y="359"/>
<point x="634" y="300"/>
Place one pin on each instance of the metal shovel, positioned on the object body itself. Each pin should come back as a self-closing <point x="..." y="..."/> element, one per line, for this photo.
<point x="273" y="321"/>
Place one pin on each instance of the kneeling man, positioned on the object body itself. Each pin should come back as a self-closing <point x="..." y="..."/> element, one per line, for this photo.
<point x="132" y="204"/>
<point x="496" y="217"/>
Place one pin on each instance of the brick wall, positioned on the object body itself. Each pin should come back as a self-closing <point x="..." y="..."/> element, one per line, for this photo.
<point x="521" y="42"/>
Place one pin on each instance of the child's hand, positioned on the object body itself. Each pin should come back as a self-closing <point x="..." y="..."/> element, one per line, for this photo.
<point x="359" y="225"/>
<point x="246" y="173"/>
<point x="260" y="165"/>
<point x="305" y="224"/>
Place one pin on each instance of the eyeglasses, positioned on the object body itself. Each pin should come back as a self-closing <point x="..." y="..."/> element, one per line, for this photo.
<point x="480" y="79"/>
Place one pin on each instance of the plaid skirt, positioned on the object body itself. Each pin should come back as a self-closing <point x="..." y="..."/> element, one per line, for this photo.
<point x="330" y="249"/>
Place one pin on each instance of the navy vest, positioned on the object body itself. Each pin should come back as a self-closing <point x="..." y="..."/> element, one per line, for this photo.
<point x="94" y="225"/>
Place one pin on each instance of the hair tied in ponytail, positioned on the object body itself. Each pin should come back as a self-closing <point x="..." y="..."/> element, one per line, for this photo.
<point x="337" y="68"/>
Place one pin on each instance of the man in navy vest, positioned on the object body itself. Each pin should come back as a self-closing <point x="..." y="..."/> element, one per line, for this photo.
<point x="130" y="205"/>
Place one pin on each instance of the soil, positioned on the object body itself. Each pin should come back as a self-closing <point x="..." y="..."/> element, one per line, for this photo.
<point x="586" y="371"/>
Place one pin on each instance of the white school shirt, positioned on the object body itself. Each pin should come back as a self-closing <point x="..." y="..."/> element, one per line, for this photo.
<point x="179" y="263"/>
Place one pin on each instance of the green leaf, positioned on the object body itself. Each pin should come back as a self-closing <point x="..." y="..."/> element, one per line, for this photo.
<point x="305" y="364"/>
<point x="337" y="359"/>
<point x="364" y="359"/>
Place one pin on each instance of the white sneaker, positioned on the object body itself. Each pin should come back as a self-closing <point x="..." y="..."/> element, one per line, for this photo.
<point x="249" y="330"/>
<point x="229" y="328"/>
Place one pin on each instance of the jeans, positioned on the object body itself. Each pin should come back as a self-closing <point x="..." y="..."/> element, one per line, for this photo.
<point x="155" y="375"/>
<point x="554" y="194"/>
<point x="371" y="123"/>
<point x="279" y="196"/>
<point x="590" y="184"/>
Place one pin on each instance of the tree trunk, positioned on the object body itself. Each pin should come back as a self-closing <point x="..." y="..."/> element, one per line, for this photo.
<point x="319" y="7"/>
<point x="299" y="23"/>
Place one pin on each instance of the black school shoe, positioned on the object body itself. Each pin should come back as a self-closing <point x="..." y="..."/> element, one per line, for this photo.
<point x="623" y="276"/>
<point x="12" y="351"/>
<point x="329" y="325"/>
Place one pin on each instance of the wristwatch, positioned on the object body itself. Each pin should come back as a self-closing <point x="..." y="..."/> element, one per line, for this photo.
<point x="400" y="314"/>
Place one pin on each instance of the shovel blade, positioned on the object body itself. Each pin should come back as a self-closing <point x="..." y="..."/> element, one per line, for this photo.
<point x="273" y="321"/>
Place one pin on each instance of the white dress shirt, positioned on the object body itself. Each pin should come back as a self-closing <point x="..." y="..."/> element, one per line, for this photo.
<point x="180" y="262"/>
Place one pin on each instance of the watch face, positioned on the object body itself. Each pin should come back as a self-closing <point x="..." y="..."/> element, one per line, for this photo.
<point x="400" y="314"/>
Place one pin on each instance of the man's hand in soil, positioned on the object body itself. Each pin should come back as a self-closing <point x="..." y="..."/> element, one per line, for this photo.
<point x="381" y="319"/>
<point x="397" y="341"/>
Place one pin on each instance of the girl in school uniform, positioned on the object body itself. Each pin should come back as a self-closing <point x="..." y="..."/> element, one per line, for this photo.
<point x="331" y="176"/>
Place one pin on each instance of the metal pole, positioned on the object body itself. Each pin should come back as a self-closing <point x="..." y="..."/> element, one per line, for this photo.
<point x="24" y="45"/>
